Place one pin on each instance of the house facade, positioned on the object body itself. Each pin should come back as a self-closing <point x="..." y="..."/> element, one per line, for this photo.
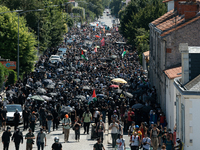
<point x="188" y="97"/>
<point x="179" y="25"/>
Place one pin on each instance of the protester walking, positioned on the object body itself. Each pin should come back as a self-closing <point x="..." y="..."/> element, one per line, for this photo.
<point x="41" y="140"/>
<point x="77" y="126"/>
<point x="154" y="136"/>
<point x="100" y="129"/>
<point x="6" y="138"/>
<point x="57" y="145"/>
<point x="146" y="141"/>
<point x="32" y="120"/>
<point x="17" y="138"/>
<point x="49" y="120"/>
<point x="121" y="143"/>
<point x="29" y="139"/>
<point x="66" y="122"/>
<point x="98" y="145"/>
<point x="16" y="118"/>
<point x="87" y="118"/>
<point x="114" y="127"/>
<point x="135" y="141"/>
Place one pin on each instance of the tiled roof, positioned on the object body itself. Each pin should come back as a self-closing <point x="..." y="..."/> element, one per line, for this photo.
<point x="180" y="26"/>
<point x="166" y="1"/>
<point x="163" y="18"/>
<point x="170" y="23"/>
<point x="193" y="85"/>
<point x="173" y="72"/>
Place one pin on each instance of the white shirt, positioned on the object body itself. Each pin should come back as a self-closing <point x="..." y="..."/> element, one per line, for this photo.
<point x="148" y="140"/>
<point x="135" y="140"/>
<point x="114" y="129"/>
<point x="121" y="144"/>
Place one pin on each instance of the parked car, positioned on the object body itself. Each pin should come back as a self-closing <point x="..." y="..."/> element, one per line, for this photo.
<point x="11" y="109"/>
<point x="54" y="58"/>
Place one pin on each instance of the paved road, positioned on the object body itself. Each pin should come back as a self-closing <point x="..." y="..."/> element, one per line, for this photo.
<point x="106" y="19"/>
<point x="85" y="140"/>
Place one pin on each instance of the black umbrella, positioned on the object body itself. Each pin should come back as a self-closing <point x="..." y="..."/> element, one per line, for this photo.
<point x="146" y="108"/>
<point x="127" y="94"/>
<point x="81" y="97"/>
<point x="66" y="109"/>
<point x="137" y="106"/>
<point x="47" y="81"/>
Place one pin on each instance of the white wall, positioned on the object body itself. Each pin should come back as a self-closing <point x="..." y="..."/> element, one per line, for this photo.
<point x="170" y="5"/>
<point x="170" y="100"/>
<point x="192" y="130"/>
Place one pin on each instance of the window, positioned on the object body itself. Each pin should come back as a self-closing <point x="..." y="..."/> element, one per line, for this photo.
<point x="177" y="113"/>
<point x="183" y="123"/>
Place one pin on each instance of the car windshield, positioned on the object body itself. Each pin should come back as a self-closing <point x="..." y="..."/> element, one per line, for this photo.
<point x="12" y="108"/>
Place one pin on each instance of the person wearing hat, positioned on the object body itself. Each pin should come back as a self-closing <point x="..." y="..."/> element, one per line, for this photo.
<point x="16" y="118"/>
<point x="41" y="137"/>
<point x="57" y="145"/>
<point x="98" y="145"/>
<point x="180" y="144"/>
<point x="6" y="138"/>
<point x="66" y="122"/>
<point x="17" y="138"/>
<point x="29" y="137"/>
<point x="32" y="120"/>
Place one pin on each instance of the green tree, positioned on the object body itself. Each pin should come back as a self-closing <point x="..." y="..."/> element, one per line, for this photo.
<point x="115" y="6"/>
<point x="12" y="77"/>
<point x="9" y="38"/>
<point x="3" y="74"/>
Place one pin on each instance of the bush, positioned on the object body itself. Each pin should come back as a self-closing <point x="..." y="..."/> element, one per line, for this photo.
<point x="12" y="77"/>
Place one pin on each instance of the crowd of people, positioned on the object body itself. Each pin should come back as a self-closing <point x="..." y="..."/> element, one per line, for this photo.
<point x="91" y="61"/>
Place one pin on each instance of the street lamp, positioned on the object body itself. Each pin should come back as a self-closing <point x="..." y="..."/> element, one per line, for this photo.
<point x="18" y="39"/>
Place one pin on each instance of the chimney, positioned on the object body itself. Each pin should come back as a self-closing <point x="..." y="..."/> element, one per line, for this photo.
<point x="187" y="8"/>
<point x="183" y="49"/>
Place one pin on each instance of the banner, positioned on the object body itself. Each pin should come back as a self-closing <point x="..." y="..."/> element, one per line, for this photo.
<point x="103" y="42"/>
<point x="9" y="64"/>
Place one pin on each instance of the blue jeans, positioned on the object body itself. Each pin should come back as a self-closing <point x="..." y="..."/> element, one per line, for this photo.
<point x="49" y="125"/>
<point x="40" y="145"/>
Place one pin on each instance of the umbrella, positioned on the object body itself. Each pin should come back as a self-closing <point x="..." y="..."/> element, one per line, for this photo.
<point x="126" y="86"/>
<point x="50" y="86"/>
<point x="113" y="56"/>
<point x="28" y="86"/>
<point x="66" y="109"/>
<point x="77" y="80"/>
<point x="52" y="94"/>
<point x="11" y="92"/>
<point x="77" y="58"/>
<point x="59" y="69"/>
<point x="119" y="80"/>
<point x="137" y="106"/>
<point x="38" y="83"/>
<point x="37" y="97"/>
<point x="118" y="91"/>
<point x="114" y="86"/>
<point x="101" y="95"/>
<point x="46" y="97"/>
<point x="47" y="81"/>
<point x="81" y="97"/>
<point x="51" y="65"/>
<point x="146" y="108"/>
<point x="86" y="87"/>
<point x="127" y="94"/>
<point x="41" y="91"/>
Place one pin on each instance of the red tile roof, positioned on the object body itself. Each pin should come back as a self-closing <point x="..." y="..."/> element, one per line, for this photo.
<point x="180" y="26"/>
<point x="173" y="72"/>
<point x="163" y="17"/>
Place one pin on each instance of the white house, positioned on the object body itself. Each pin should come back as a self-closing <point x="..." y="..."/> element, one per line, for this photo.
<point x="188" y="97"/>
<point x="171" y="95"/>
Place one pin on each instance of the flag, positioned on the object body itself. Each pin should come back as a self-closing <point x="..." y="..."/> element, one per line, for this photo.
<point x="82" y="55"/>
<point x="95" y="49"/>
<point x="103" y="42"/>
<point x="124" y="52"/>
<point x="92" y="98"/>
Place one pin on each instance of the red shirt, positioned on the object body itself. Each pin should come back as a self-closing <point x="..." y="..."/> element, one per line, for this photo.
<point x="129" y="117"/>
<point x="162" y="119"/>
